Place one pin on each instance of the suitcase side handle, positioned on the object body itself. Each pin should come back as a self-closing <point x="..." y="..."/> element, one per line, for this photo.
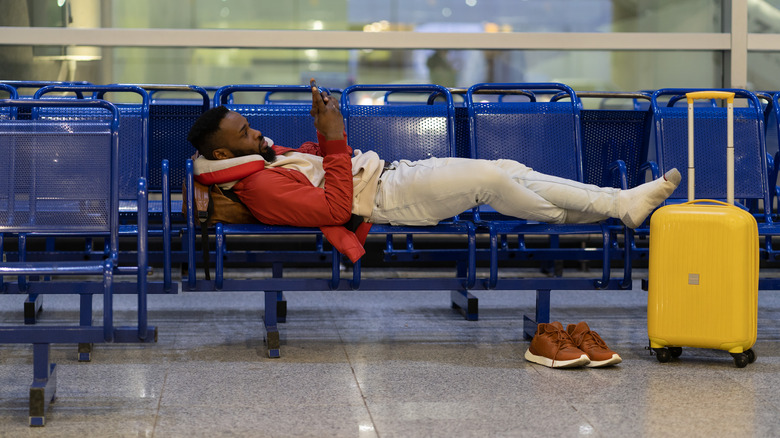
<point x="709" y="201"/>
<point x="712" y="94"/>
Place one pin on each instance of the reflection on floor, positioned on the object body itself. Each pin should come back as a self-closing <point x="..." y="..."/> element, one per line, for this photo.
<point x="387" y="364"/>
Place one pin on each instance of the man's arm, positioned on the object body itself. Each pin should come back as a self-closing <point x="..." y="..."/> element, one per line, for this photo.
<point x="329" y="123"/>
<point x="280" y="196"/>
<point x="286" y="197"/>
<point x="327" y="117"/>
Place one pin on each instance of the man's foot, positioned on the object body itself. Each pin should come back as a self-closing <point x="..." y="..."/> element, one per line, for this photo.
<point x="637" y="203"/>
<point x="552" y="347"/>
<point x="591" y="343"/>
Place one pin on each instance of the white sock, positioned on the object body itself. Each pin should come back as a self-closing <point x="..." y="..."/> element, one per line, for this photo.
<point x="634" y="205"/>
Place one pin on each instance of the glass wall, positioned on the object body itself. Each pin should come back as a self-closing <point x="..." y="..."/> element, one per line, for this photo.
<point x="764" y="16"/>
<point x="764" y="71"/>
<point x="582" y="69"/>
<point x="764" y="67"/>
<point x="421" y="15"/>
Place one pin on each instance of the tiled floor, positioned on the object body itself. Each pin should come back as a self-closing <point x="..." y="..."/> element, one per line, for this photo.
<point x="387" y="364"/>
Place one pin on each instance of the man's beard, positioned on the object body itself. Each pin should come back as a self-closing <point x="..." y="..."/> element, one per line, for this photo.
<point x="269" y="154"/>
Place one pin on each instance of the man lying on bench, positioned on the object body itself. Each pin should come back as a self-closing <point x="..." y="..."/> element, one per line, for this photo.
<point x="325" y="184"/>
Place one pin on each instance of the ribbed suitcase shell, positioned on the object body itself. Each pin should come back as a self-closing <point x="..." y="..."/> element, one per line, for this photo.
<point x="703" y="277"/>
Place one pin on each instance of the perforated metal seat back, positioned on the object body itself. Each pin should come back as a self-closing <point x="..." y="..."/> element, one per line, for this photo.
<point x="610" y="135"/>
<point x="55" y="176"/>
<point x="287" y="124"/>
<point x="462" y="140"/>
<point x="400" y="132"/>
<point x="541" y="135"/>
<point x="772" y="127"/>
<point x="168" y="128"/>
<point x="710" y="151"/>
<point x="131" y="147"/>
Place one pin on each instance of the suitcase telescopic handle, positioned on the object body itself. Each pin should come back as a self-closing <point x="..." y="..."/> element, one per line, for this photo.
<point x="703" y="95"/>
<point x="714" y="94"/>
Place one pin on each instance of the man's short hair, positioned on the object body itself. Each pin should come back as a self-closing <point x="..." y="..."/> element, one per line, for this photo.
<point x="201" y="134"/>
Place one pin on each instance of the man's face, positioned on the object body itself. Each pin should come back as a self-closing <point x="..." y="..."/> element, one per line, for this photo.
<point x="237" y="139"/>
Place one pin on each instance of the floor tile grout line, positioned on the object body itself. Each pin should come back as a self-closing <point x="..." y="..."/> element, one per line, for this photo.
<point x="357" y="382"/>
<point x="159" y="402"/>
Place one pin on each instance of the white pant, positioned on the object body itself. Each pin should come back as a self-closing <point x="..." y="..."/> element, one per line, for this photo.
<point x="428" y="191"/>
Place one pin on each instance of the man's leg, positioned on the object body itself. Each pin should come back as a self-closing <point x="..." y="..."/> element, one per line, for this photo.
<point x="428" y="191"/>
<point x="589" y="203"/>
<point x="425" y="192"/>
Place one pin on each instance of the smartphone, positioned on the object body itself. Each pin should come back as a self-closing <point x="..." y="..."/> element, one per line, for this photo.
<point x="313" y="83"/>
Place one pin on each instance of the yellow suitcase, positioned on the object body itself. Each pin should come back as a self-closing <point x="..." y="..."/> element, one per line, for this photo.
<point x="703" y="269"/>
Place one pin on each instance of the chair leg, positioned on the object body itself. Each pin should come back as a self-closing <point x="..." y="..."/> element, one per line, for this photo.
<point x="462" y="300"/>
<point x="44" y="386"/>
<point x="33" y="306"/>
<point x="281" y="302"/>
<point x="85" y="320"/>
<point x="270" y="325"/>
<point x="465" y="303"/>
<point x="542" y="314"/>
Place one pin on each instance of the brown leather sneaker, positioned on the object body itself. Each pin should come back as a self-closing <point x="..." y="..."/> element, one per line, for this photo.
<point x="552" y="347"/>
<point x="591" y="343"/>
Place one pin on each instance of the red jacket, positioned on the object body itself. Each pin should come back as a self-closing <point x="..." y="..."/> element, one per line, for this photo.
<point x="280" y="196"/>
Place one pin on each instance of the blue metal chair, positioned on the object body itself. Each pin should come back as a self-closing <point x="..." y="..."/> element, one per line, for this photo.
<point x="413" y="129"/>
<point x="133" y="135"/>
<point x="288" y="124"/>
<point x="547" y="137"/>
<point x="295" y="95"/>
<point x="168" y="149"/>
<point x="176" y="95"/>
<point x="617" y="133"/>
<point x="35" y="85"/>
<point x="133" y="164"/>
<point x="772" y="136"/>
<point x="169" y="122"/>
<point x="61" y="178"/>
<point x="362" y="130"/>
<point x="610" y="134"/>
<point x="671" y="147"/>
<point x="133" y="141"/>
<point x="752" y="189"/>
<point x="8" y="112"/>
<point x="282" y="113"/>
<point x="132" y="161"/>
<point x="24" y="113"/>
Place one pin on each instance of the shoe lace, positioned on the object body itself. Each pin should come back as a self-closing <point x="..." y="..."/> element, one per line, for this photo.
<point x="594" y="340"/>
<point x="562" y="340"/>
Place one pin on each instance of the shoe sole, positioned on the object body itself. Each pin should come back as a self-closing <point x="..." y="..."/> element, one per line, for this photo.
<point x="614" y="360"/>
<point x="541" y="360"/>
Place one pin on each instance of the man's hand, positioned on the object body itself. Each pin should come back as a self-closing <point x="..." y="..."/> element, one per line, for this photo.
<point x="327" y="117"/>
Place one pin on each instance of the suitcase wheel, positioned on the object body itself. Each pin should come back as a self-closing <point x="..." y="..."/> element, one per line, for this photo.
<point x="666" y="354"/>
<point x="742" y="359"/>
<point x="663" y="354"/>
